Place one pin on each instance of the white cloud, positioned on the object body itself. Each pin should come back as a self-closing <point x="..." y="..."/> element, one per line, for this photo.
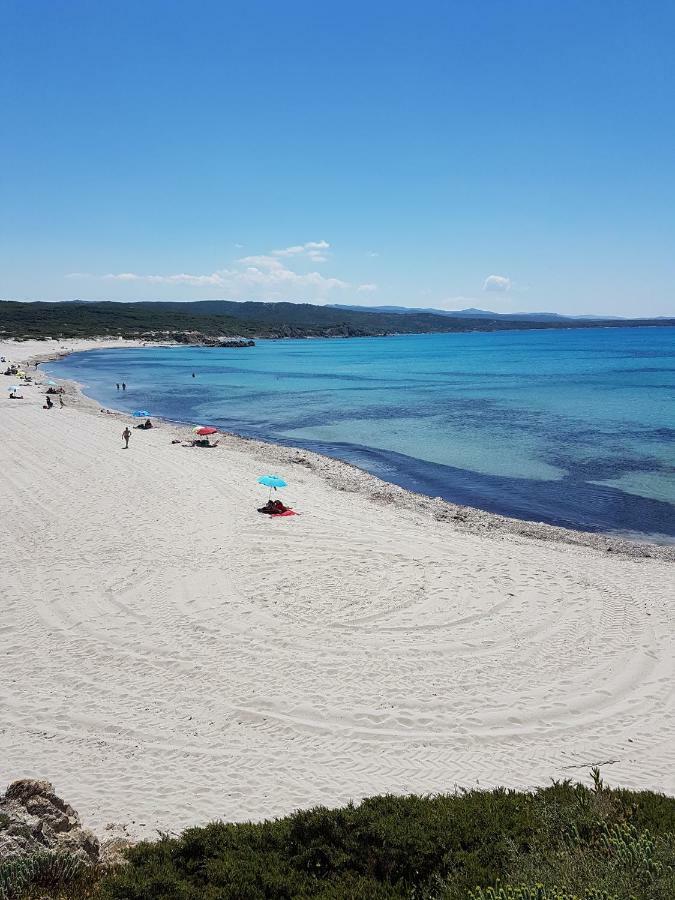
<point x="266" y="274"/>
<point x="268" y="270"/>
<point x="312" y="249"/>
<point x="498" y="283"/>
<point x="372" y="254"/>
<point x="275" y="275"/>
<point x="215" y="278"/>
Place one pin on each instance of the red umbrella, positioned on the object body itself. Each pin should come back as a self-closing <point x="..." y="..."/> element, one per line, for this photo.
<point x="207" y="429"/>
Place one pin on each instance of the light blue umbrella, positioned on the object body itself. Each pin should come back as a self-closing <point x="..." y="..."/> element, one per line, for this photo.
<point x="272" y="481"/>
<point x="53" y="383"/>
<point x="13" y="388"/>
<point x="141" y="414"/>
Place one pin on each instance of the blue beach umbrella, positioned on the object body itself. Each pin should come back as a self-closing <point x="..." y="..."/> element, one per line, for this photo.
<point x="52" y="383"/>
<point x="14" y="387"/>
<point x="141" y="414"/>
<point x="272" y="481"/>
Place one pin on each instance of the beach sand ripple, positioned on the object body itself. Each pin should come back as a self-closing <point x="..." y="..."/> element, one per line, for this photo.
<point x="171" y="656"/>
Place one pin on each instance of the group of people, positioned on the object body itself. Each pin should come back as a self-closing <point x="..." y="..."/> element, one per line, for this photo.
<point x="124" y="387"/>
<point x="197" y="442"/>
<point x="13" y="369"/>
<point x="271" y="508"/>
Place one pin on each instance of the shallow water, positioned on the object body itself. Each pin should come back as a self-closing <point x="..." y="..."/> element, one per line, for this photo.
<point x="574" y="427"/>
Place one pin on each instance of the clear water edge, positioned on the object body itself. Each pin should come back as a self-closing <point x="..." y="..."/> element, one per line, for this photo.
<point x="574" y="428"/>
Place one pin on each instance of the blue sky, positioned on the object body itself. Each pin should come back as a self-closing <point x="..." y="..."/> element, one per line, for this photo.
<point x="509" y="155"/>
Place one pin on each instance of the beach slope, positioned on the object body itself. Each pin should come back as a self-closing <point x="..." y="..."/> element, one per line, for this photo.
<point x="170" y="656"/>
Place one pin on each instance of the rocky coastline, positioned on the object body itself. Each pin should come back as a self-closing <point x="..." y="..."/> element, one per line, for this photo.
<point x="196" y="339"/>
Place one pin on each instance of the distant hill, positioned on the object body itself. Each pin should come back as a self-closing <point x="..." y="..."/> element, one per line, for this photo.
<point x="473" y="313"/>
<point x="198" y="320"/>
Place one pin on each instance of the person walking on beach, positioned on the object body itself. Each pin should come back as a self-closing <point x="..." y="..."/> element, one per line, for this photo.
<point x="124" y="387"/>
<point x="126" y="434"/>
<point x="61" y="403"/>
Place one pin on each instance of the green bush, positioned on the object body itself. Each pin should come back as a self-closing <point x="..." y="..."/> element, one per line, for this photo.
<point x="564" y="842"/>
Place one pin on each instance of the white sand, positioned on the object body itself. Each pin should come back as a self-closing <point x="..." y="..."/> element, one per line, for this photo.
<point x="170" y="656"/>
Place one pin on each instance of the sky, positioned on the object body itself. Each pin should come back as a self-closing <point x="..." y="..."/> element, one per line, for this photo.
<point x="514" y="155"/>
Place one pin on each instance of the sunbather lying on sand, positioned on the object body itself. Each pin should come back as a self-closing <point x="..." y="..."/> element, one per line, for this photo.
<point x="274" y="508"/>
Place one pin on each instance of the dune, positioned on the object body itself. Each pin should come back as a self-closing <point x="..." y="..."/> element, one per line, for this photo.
<point x="171" y="656"/>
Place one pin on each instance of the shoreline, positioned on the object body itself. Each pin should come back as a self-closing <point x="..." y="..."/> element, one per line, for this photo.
<point x="348" y="476"/>
<point x="171" y="657"/>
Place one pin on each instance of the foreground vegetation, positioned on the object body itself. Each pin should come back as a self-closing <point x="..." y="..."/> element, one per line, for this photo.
<point x="558" y="843"/>
<point x="221" y="318"/>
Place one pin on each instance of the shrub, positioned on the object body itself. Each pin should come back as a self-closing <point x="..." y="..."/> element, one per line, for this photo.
<point x="53" y="871"/>
<point x="563" y="842"/>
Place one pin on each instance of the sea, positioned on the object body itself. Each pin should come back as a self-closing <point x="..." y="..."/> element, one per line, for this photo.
<point x="572" y="427"/>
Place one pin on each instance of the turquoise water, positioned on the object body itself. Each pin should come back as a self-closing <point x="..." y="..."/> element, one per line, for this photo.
<point x="573" y="427"/>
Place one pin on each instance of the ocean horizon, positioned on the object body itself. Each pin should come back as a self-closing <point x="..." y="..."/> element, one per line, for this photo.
<point x="569" y="427"/>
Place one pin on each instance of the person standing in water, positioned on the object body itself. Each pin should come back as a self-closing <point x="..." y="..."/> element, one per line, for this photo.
<point x="117" y="385"/>
<point x="124" y="387"/>
<point x="126" y="434"/>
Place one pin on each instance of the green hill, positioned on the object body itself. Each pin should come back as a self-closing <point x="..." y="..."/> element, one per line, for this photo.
<point x="221" y="318"/>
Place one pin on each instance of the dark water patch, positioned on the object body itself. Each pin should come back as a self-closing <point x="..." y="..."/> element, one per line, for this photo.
<point x="585" y="403"/>
<point x="606" y="469"/>
<point x="569" y="503"/>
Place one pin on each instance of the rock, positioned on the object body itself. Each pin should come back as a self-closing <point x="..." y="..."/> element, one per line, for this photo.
<point x="113" y="852"/>
<point x="34" y="818"/>
<point x="27" y="787"/>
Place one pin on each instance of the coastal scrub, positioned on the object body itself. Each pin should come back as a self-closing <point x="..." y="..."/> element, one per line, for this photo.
<point x="557" y="843"/>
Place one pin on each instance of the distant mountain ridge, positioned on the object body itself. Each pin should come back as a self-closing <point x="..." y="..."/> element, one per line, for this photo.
<point x="473" y="313"/>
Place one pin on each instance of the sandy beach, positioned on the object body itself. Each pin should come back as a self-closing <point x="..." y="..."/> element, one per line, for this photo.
<point x="171" y="656"/>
